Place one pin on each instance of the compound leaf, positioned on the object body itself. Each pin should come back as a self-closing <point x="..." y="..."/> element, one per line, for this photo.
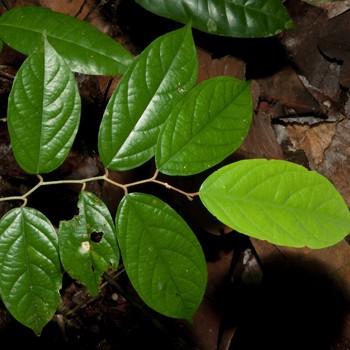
<point x="43" y="111"/>
<point x="234" y="18"/>
<point x="205" y="127"/>
<point x="30" y="270"/>
<point x="161" y="255"/>
<point x="85" y="49"/>
<point x="156" y="80"/>
<point x="277" y="201"/>
<point x="87" y="243"/>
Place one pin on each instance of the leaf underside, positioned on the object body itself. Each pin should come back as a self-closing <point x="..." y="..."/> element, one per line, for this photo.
<point x="277" y="201"/>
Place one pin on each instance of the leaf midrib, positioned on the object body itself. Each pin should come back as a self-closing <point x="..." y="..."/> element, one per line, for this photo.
<point x="201" y="130"/>
<point x="50" y="35"/>
<point x="303" y="211"/>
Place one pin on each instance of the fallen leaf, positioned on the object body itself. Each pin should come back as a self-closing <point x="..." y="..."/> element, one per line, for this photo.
<point x="227" y="65"/>
<point x="287" y="94"/>
<point x="336" y="164"/>
<point x="314" y="140"/>
<point x="335" y="44"/>
<point x="319" y="74"/>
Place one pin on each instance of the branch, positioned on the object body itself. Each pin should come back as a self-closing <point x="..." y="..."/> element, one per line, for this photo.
<point x="104" y="177"/>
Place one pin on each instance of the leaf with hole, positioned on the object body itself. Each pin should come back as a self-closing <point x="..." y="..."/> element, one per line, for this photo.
<point x="84" y="48"/>
<point x="158" y="78"/>
<point x="277" y="201"/>
<point x="30" y="269"/>
<point x="87" y="243"/>
<point x="234" y="18"/>
<point x="205" y="127"/>
<point x="43" y="111"/>
<point x="161" y="255"/>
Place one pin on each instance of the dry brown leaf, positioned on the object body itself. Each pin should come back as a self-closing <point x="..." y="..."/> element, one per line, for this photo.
<point x="314" y="140"/>
<point x="319" y="75"/>
<point x="287" y="94"/>
<point x="83" y="9"/>
<point x="261" y="140"/>
<point x="333" y="7"/>
<point x="228" y="66"/>
<point x="336" y="164"/>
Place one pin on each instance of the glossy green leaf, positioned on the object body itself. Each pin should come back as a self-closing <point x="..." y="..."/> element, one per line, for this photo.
<point x="157" y="79"/>
<point x="30" y="270"/>
<point x="234" y="18"/>
<point x="85" y="49"/>
<point x="209" y="124"/>
<point x="277" y="201"/>
<point x="161" y="255"/>
<point x="43" y="111"/>
<point x="87" y="243"/>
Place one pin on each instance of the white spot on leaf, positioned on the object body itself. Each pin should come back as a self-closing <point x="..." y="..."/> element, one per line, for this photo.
<point x="85" y="246"/>
<point x="211" y="25"/>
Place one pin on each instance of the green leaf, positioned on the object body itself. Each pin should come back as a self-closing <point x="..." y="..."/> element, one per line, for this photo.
<point x="209" y="124"/>
<point x="234" y="18"/>
<point x="161" y="255"/>
<point x="156" y="80"/>
<point x="87" y="243"/>
<point x="277" y="201"/>
<point x="43" y="111"/>
<point x="30" y="270"/>
<point x="85" y="49"/>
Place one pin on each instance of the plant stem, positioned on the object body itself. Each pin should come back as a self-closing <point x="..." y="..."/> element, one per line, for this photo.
<point x="104" y="177"/>
<point x="6" y="75"/>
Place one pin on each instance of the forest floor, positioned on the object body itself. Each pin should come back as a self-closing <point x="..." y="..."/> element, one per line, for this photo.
<point x="259" y="296"/>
